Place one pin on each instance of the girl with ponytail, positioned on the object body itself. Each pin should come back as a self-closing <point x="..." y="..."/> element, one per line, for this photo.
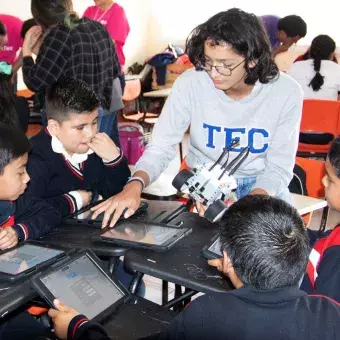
<point x="319" y="76"/>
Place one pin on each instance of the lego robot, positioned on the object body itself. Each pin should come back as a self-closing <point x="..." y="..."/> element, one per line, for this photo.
<point x="212" y="184"/>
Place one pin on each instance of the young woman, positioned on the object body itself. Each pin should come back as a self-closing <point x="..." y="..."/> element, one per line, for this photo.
<point x="319" y="75"/>
<point x="235" y="92"/>
<point x="74" y="47"/>
<point x="112" y="16"/>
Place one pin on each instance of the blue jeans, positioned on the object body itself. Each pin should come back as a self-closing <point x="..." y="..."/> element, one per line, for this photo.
<point x="246" y="184"/>
<point x="109" y="125"/>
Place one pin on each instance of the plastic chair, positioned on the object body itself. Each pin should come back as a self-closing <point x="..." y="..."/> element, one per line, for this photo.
<point x="132" y="92"/>
<point x="315" y="171"/>
<point x="320" y="117"/>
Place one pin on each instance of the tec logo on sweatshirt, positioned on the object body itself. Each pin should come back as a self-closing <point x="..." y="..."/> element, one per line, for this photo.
<point x="255" y="138"/>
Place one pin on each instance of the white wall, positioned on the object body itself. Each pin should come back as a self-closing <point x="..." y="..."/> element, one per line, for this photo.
<point x="172" y="21"/>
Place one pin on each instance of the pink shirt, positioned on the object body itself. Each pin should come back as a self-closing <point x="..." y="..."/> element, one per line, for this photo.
<point x="13" y="27"/>
<point x="115" y="21"/>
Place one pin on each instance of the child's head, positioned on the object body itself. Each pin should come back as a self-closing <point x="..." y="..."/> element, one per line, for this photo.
<point x="332" y="179"/>
<point x="14" y="149"/>
<point x="322" y="48"/>
<point x="291" y="29"/>
<point x="72" y="113"/>
<point x="233" y="48"/>
<point x="264" y="242"/>
<point x="3" y="36"/>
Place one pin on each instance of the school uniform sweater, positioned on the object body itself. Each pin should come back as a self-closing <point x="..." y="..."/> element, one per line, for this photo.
<point x="267" y="121"/>
<point x="30" y="217"/>
<point x="323" y="269"/>
<point x="244" y="313"/>
<point x="56" y="180"/>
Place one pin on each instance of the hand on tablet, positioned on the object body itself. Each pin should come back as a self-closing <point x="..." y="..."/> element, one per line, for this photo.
<point x="86" y="197"/>
<point x="61" y="317"/>
<point x="126" y="202"/>
<point x="8" y="238"/>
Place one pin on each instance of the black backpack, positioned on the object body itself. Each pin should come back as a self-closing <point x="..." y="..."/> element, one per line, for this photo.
<point x="298" y="183"/>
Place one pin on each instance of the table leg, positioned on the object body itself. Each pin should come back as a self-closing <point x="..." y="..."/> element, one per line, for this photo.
<point x="179" y="300"/>
<point x="113" y="262"/>
<point x="165" y="292"/>
<point x="135" y="282"/>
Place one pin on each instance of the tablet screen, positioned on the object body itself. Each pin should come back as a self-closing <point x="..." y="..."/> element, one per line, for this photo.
<point x="25" y="257"/>
<point x="143" y="233"/>
<point x="216" y="247"/>
<point x="82" y="285"/>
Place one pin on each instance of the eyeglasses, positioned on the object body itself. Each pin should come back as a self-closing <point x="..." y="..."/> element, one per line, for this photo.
<point x="223" y="70"/>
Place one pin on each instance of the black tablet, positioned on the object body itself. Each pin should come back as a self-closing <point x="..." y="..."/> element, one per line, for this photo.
<point x="84" y="216"/>
<point x="28" y="258"/>
<point x="154" y="236"/>
<point x="82" y="284"/>
<point x="213" y="250"/>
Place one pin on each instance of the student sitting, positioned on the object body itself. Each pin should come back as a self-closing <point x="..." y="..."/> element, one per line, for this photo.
<point x="283" y="32"/>
<point x="21" y="217"/>
<point x="319" y="76"/>
<point x="323" y="270"/>
<point x="265" y="248"/>
<point x="71" y="163"/>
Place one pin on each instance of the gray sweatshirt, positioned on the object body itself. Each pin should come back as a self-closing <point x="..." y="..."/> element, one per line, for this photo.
<point x="267" y="120"/>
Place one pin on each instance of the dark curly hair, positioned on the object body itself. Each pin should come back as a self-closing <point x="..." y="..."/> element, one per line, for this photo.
<point x="247" y="36"/>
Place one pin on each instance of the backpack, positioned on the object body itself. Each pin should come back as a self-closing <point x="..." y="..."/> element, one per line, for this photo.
<point x="298" y="182"/>
<point x="132" y="141"/>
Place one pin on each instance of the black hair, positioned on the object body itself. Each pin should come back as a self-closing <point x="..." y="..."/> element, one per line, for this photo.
<point x="8" y="113"/>
<point x="53" y="12"/>
<point x="293" y="25"/>
<point x="13" y="144"/>
<point x="266" y="241"/>
<point x="26" y="26"/>
<point x="334" y="155"/>
<point x="3" y="30"/>
<point x="247" y="36"/>
<point x="69" y="95"/>
<point x="321" y="49"/>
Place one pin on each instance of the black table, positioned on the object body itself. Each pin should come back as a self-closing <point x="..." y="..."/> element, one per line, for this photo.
<point x="15" y="296"/>
<point x="183" y="264"/>
<point x="79" y="237"/>
<point x="136" y="319"/>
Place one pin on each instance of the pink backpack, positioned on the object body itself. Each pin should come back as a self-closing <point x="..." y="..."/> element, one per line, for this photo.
<point x="132" y="141"/>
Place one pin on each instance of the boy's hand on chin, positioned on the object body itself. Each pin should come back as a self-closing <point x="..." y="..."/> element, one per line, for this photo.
<point x="104" y="147"/>
<point x="8" y="238"/>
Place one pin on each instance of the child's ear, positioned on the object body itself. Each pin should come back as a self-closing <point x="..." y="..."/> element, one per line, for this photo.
<point x="53" y="127"/>
<point x="252" y="64"/>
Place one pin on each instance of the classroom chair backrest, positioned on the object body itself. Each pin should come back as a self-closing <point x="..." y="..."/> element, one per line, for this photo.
<point x="320" y="116"/>
<point x="132" y="90"/>
<point x="315" y="171"/>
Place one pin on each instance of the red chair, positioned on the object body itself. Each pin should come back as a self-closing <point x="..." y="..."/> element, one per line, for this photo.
<point x="318" y="116"/>
<point x="132" y="92"/>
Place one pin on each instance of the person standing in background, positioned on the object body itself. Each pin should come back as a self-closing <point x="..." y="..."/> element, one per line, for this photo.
<point x="10" y="43"/>
<point x="73" y="47"/>
<point x="112" y="16"/>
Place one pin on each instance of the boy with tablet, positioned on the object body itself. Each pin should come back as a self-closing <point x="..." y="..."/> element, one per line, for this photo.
<point x="71" y="164"/>
<point x="21" y="217"/>
<point x="265" y="252"/>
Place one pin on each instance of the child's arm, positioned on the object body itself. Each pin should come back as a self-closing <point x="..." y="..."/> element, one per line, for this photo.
<point x="40" y="174"/>
<point x="34" y="217"/>
<point x="115" y="170"/>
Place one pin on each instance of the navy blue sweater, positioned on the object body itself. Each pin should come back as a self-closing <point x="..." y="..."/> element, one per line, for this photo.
<point x="53" y="177"/>
<point x="244" y="313"/>
<point x="29" y="216"/>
